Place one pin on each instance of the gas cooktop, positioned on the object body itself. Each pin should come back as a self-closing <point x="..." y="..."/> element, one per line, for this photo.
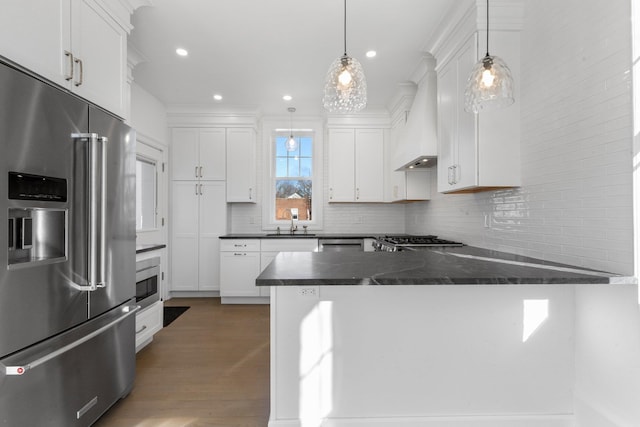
<point x="403" y="242"/>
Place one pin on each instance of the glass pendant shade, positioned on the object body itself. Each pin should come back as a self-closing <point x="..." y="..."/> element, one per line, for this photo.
<point x="345" y="89"/>
<point x="490" y="85"/>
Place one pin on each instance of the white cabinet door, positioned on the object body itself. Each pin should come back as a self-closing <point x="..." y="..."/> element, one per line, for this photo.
<point x="241" y="165"/>
<point x="341" y="165"/>
<point x="184" y="236"/>
<point x="184" y="154"/>
<point x="198" y="154"/>
<point x="238" y="272"/>
<point x="198" y="220"/>
<point x="466" y="171"/>
<point x="369" y="165"/>
<point x="35" y="34"/>
<point x="447" y="132"/>
<point x="212" y="221"/>
<point x="212" y="149"/>
<point x="99" y="45"/>
<point x="476" y="151"/>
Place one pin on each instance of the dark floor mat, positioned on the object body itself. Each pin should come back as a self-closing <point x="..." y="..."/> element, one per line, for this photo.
<point x="172" y="313"/>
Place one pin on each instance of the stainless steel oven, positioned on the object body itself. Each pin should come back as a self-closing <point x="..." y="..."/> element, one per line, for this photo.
<point x="147" y="280"/>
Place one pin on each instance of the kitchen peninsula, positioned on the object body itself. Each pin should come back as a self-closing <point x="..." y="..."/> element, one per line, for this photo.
<point x="462" y="337"/>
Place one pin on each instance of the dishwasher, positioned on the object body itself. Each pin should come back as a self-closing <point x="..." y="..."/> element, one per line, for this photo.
<point x="340" y="245"/>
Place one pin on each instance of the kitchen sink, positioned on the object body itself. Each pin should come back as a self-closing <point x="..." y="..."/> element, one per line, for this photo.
<point x="290" y="235"/>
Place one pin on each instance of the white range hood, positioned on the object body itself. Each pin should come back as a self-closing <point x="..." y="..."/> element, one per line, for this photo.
<point x="417" y="146"/>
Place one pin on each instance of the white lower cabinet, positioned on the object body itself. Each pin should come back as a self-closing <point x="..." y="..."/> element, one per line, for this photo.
<point x="242" y="261"/>
<point x="239" y="267"/>
<point x="148" y="322"/>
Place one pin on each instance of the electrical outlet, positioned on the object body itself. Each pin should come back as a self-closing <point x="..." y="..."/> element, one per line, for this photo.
<point x="308" y="292"/>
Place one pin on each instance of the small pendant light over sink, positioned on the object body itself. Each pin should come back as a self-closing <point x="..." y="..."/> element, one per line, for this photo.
<point x="291" y="144"/>
<point x="490" y="84"/>
<point x="345" y="89"/>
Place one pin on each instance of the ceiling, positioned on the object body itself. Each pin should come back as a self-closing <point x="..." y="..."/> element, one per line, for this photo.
<point x="252" y="52"/>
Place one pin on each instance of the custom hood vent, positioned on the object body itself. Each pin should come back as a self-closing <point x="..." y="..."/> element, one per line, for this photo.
<point x="417" y="146"/>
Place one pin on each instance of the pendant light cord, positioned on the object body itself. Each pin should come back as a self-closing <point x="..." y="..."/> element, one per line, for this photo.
<point x="345" y="27"/>
<point x="487" y="27"/>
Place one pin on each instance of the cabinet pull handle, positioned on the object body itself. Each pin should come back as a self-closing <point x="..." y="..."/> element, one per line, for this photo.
<point x="196" y="189"/>
<point x="240" y="246"/>
<point x="201" y="189"/>
<point x="330" y="193"/>
<point x="455" y="174"/>
<point x="200" y="171"/>
<point x="239" y="254"/>
<point x="195" y="172"/>
<point x="81" y="74"/>
<point x="357" y="194"/>
<point x="250" y="193"/>
<point x="141" y="329"/>
<point x="69" y="75"/>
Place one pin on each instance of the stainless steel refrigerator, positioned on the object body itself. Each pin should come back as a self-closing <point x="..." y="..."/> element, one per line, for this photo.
<point x="67" y="269"/>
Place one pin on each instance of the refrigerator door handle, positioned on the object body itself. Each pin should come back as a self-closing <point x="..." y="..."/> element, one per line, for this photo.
<point x="96" y="146"/>
<point x="21" y="369"/>
<point x="102" y="245"/>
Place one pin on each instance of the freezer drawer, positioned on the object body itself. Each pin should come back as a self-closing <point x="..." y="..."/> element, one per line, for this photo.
<point x="72" y="379"/>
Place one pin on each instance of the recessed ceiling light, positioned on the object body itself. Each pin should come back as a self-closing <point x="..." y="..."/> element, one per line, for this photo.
<point x="371" y="54"/>
<point x="287" y="97"/>
<point x="182" y="52"/>
<point x="217" y="97"/>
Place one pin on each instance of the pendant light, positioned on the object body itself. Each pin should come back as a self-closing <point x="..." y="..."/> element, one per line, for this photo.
<point x="490" y="84"/>
<point x="291" y="144"/>
<point x="345" y="88"/>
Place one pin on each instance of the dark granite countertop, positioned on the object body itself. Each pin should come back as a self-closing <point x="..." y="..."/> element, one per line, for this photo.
<point x="149" y="247"/>
<point x="461" y="265"/>
<point x="300" y="234"/>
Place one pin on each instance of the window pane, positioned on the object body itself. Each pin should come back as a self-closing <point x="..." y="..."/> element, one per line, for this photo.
<point x="293" y="194"/>
<point x="305" y="167"/>
<point x="294" y="167"/>
<point x="306" y="147"/>
<point x="145" y="194"/>
<point x="281" y="166"/>
<point x="281" y="149"/>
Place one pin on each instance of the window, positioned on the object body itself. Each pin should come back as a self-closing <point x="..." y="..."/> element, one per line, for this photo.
<point x="293" y="178"/>
<point x="146" y="194"/>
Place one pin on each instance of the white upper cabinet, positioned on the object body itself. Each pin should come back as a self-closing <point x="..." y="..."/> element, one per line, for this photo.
<point x="36" y="34"/>
<point x="241" y="165"/>
<point x="478" y="151"/>
<point x="356" y="165"/>
<point x="198" y="154"/>
<point x="76" y="44"/>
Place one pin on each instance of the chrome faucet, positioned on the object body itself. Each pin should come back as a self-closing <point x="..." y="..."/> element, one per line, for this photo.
<point x="293" y="213"/>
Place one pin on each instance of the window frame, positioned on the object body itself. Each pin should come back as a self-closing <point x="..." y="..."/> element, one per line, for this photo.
<point x="271" y="129"/>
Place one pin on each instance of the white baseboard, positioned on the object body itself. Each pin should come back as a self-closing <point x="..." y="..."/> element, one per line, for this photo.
<point x="464" y="421"/>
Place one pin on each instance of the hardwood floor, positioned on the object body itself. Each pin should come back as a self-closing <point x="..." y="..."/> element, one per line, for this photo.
<point x="210" y="367"/>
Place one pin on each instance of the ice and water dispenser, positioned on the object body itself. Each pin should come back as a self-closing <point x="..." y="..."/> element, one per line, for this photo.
<point x="36" y="234"/>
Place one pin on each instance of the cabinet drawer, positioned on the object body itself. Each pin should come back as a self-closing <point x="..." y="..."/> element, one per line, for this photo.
<point x="290" y="245"/>
<point x="148" y="322"/>
<point x="245" y="245"/>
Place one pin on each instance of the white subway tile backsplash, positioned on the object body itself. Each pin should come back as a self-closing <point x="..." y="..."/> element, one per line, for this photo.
<point x="575" y="205"/>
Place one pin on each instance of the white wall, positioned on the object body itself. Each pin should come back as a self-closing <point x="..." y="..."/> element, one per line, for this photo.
<point x="575" y="205"/>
